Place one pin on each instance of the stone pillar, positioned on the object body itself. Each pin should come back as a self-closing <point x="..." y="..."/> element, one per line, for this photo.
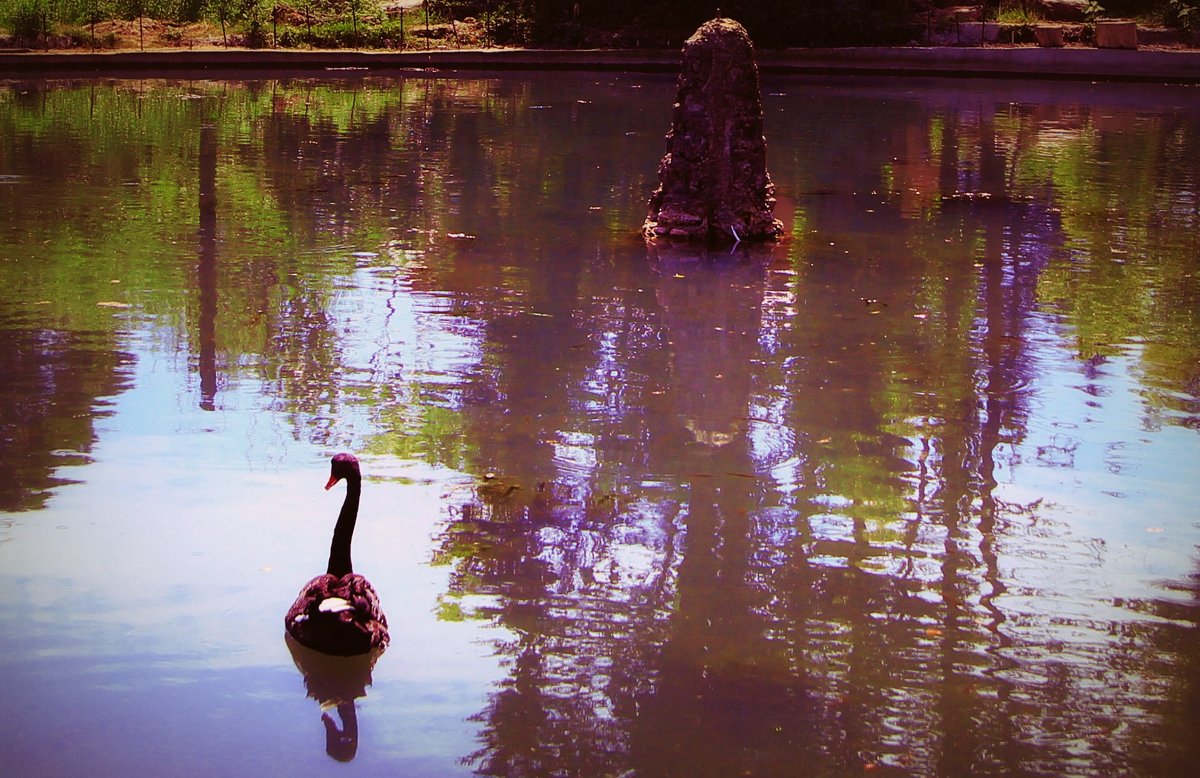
<point x="713" y="181"/>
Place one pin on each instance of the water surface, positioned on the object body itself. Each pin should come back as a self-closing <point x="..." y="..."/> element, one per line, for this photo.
<point x="911" y="492"/>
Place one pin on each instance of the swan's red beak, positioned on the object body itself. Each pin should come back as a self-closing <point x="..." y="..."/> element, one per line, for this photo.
<point x="333" y="479"/>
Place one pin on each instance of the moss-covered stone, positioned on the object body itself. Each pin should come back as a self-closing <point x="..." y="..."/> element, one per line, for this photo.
<point x="713" y="180"/>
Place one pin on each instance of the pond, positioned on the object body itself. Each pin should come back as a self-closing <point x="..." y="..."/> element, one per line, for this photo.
<point x="911" y="492"/>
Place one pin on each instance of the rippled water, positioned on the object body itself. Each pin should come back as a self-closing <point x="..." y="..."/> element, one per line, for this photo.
<point x="911" y="492"/>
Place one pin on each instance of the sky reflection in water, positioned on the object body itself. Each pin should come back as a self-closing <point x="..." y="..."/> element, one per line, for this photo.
<point x="911" y="491"/>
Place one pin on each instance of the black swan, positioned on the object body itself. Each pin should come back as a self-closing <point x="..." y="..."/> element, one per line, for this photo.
<point x="338" y="613"/>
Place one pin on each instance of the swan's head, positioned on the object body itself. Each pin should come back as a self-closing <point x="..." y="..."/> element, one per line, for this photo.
<point x="343" y="466"/>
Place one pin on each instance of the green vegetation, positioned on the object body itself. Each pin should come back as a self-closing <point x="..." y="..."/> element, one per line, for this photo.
<point x="437" y="23"/>
<point x="1180" y="14"/>
<point x="1014" y="13"/>
<point x="1184" y="14"/>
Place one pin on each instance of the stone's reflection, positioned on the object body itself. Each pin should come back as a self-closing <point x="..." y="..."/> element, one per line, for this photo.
<point x="335" y="682"/>
<point x="723" y="674"/>
<point x="711" y="306"/>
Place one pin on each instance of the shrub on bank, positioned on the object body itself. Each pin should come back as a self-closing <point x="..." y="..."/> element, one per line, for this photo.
<point x="26" y="20"/>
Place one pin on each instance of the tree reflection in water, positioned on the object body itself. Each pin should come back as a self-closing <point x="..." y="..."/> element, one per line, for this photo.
<point x="206" y="269"/>
<point x="56" y="383"/>
<point x="749" y="514"/>
<point x="819" y="579"/>
<point x="742" y="642"/>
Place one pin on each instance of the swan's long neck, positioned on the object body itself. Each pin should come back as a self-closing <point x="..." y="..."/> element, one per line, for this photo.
<point x="343" y="533"/>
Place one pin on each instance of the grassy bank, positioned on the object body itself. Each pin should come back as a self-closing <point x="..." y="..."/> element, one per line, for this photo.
<point x="351" y="24"/>
<point x="438" y="24"/>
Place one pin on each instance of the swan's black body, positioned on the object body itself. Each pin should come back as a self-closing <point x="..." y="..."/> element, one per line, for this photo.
<point x="338" y="612"/>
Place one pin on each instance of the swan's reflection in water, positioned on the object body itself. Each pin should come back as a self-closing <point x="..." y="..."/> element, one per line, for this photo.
<point x="335" y="682"/>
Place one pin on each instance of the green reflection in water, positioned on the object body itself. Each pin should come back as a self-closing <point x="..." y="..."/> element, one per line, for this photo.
<point x="909" y="491"/>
